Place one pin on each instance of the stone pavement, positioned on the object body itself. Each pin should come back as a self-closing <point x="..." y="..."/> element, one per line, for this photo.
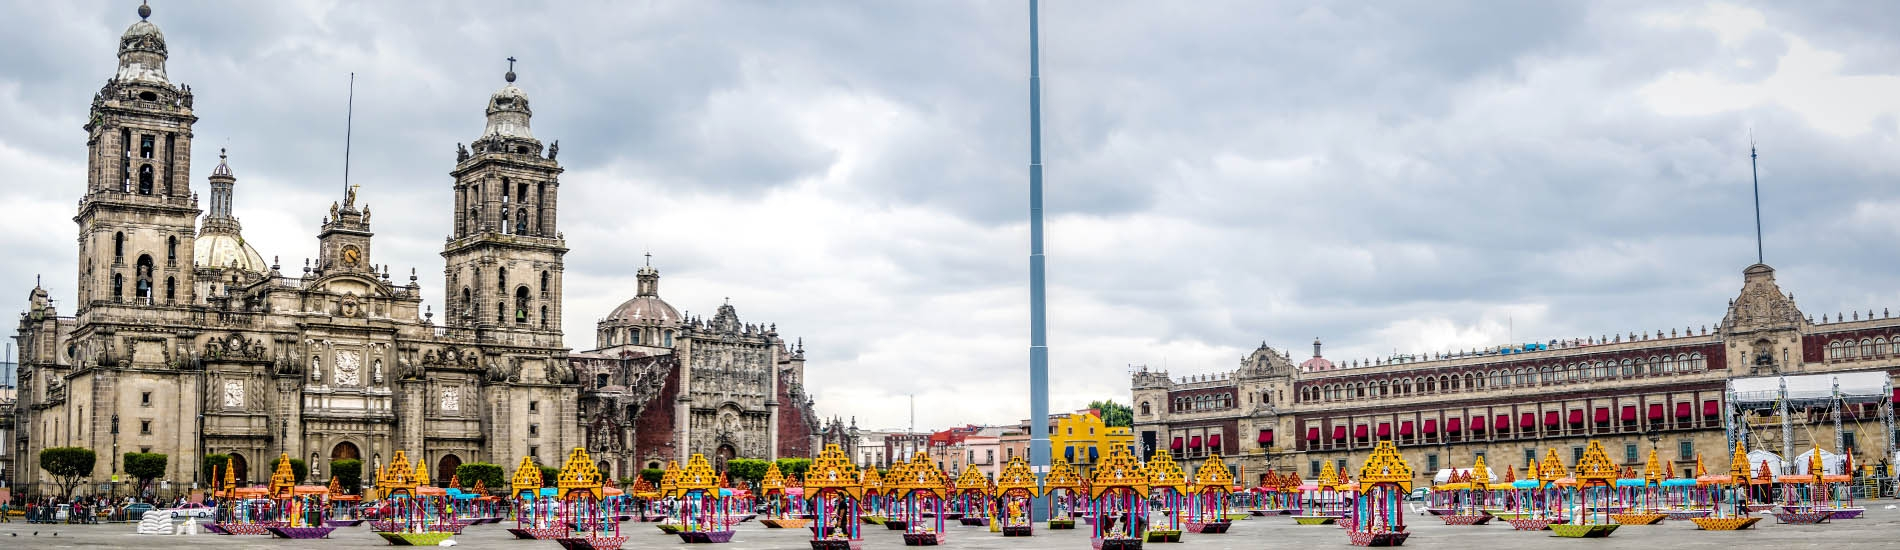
<point x="1879" y="529"/>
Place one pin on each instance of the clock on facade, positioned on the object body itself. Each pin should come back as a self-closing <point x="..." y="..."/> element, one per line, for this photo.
<point x="351" y="255"/>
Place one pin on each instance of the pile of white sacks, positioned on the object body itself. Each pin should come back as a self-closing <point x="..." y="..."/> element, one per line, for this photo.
<point x="159" y="522"/>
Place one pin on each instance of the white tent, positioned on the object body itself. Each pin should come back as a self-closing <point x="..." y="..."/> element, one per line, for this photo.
<point x="1830" y="463"/>
<point x="1758" y="456"/>
<point x="1855" y="387"/>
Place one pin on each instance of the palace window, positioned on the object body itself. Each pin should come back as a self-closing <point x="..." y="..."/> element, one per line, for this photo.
<point x="666" y="339"/>
<point x="535" y="406"/>
<point x="1867" y="348"/>
<point x="1848" y="352"/>
<point x="145" y="427"/>
<point x="1629" y="452"/>
<point x="1880" y="345"/>
<point x="1431" y="464"/>
<point x="1695" y="362"/>
<point x="1685" y="449"/>
<point x="534" y="430"/>
<point x="1628" y="365"/>
<point x="1530" y="457"/>
<point x="145" y="399"/>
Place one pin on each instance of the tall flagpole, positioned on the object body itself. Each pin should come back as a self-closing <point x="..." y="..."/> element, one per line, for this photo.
<point x="1039" y="453"/>
<point x="349" y="119"/>
<point x="1756" y="176"/>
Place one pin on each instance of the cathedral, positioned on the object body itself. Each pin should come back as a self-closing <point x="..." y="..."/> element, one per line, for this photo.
<point x="185" y="341"/>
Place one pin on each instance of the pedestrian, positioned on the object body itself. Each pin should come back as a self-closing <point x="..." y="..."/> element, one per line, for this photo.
<point x="5" y="507"/>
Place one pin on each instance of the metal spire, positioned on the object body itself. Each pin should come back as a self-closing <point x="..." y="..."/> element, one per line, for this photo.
<point x="1755" y="174"/>
<point x="1038" y="310"/>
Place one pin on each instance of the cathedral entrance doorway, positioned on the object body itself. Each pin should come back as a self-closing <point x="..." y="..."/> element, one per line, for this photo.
<point x="724" y="454"/>
<point x="345" y="451"/>
<point x="240" y="468"/>
<point x="606" y="470"/>
<point x="445" y="468"/>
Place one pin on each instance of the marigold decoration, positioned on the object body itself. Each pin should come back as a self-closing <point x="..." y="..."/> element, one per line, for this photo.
<point x="399" y="476"/>
<point x="921" y="486"/>
<point x="1732" y="513"/>
<point x="421" y="474"/>
<point x="417" y="518"/>
<point x="1378" y="510"/>
<point x="704" y="506"/>
<point x="670" y="479"/>
<point x="1591" y="496"/>
<point x="336" y="486"/>
<point x="1552" y="469"/>
<point x="1472" y="488"/>
<point x="1653" y="472"/>
<point x="1165" y="477"/>
<point x="527" y="478"/>
<point x="579" y="474"/>
<point x="1207" y="507"/>
<point x="1120" y="494"/>
<point x="871" y="481"/>
<point x="283" y="479"/>
<point x="230" y="477"/>
<point x="833" y="487"/>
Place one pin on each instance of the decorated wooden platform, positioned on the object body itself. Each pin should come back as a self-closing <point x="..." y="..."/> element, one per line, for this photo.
<point x="1386" y="539"/>
<point x="1725" y="524"/>
<point x="1803" y="518"/>
<point x="837" y="544"/>
<point x="415" y="539"/>
<point x="1638" y="519"/>
<point x="1847" y="513"/>
<point x="1686" y="514"/>
<point x="785" y="523"/>
<point x="544" y="533"/>
<point x="1061" y="523"/>
<point x="1590" y="531"/>
<point x="1163" y="535"/>
<point x="705" y="537"/>
<point x="1532" y="524"/>
<point x="300" y="532"/>
<point x="591" y="543"/>
<point x="1022" y="530"/>
<point x="1115" y="544"/>
<point x="924" y="539"/>
<point x="1316" y="520"/>
<point x="1466" y="519"/>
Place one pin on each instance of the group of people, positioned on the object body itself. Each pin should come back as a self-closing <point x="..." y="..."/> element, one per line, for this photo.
<point x="46" y="510"/>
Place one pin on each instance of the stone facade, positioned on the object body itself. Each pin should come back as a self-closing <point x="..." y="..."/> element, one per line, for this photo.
<point x="184" y="341"/>
<point x="661" y="386"/>
<point x="1661" y="390"/>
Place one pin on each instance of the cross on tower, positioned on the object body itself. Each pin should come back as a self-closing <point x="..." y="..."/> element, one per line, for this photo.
<point x="649" y="259"/>
<point x="511" y="63"/>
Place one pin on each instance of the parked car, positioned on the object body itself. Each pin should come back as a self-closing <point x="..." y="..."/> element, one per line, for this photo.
<point x="133" y="512"/>
<point x="1418" y="494"/>
<point x="199" y="511"/>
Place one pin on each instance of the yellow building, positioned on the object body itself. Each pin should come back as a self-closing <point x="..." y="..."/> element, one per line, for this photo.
<point x="1081" y="438"/>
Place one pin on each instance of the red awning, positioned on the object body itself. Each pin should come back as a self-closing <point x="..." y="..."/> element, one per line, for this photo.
<point x="1629" y="413"/>
<point x="1385" y="429"/>
<point x="1655" y="411"/>
<point x="1602" y="415"/>
<point x="1529" y="420"/>
<point x="1194" y="442"/>
<point x="1213" y="442"/>
<point x="1431" y="426"/>
<point x="1266" y="436"/>
<point x="1451" y="426"/>
<point x="1711" y="408"/>
<point x="1405" y="428"/>
<point x="1682" y="410"/>
<point x="1477" y="424"/>
<point x="1550" y="418"/>
<point x="1503" y="422"/>
<point x="1359" y="431"/>
<point x="1177" y="444"/>
<point x="1312" y="434"/>
<point x="1576" y="416"/>
<point x="1339" y="432"/>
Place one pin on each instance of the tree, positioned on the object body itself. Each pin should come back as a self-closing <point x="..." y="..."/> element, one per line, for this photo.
<point x="793" y="467"/>
<point x="750" y="470"/>
<point x="1115" y="415"/>
<point x="653" y="475"/>
<point x="550" y="476"/>
<point x="214" y="468"/>
<point x="348" y="473"/>
<point x="490" y="475"/>
<point x="146" y="467"/>
<point x="68" y="465"/>
<point x="298" y="469"/>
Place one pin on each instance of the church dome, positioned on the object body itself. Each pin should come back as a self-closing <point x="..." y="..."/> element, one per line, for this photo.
<point x="142" y="51"/>
<point x="218" y="250"/>
<point x="645" y="310"/>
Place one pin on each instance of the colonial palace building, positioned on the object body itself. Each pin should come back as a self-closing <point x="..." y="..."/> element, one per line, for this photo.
<point x="1634" y="392"/>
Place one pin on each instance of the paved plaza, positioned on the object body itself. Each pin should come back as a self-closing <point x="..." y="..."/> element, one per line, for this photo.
<point x="1879" y="529"/>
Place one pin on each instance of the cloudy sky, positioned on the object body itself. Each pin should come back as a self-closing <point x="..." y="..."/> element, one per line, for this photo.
<point x="1391" y="176"/>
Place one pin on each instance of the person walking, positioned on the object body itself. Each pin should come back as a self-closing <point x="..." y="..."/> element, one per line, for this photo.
<point x="5" y="508"/>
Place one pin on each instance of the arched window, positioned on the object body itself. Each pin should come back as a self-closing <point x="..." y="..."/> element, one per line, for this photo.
<point x="521" y="221"/>
<point x="1880" y="345"/>
<point x="1866" y="347"/>
<point x="521" y="305"/>
<point x="1695" y="362"/>
<point x="171" y="289"/>
<point x="1668" y="364"/>
<point x="1144" y="408"/>
<point x="666" y="339"/>
<point x="145" y="179"/>
<point x="1468" y="381"/>
<point x="118" y="287"/>
<point x="633" y="336"/>
<point x="142" y="275"/>
<point x="468" y="300"/>
<point x="1543" y="375"/>
<point x="1654" y="366"/>
<point x="171" y="250"/>
<point x="504" y="189"/>
<point x="501" y="312"/>
<point x="118" y="248"/>
<point x="506" y="227"/>
<point x="501" y="280"/>
<point x="544" y="316"/>
<point x="1627" y="366"/>
<point x="544" y="284"/>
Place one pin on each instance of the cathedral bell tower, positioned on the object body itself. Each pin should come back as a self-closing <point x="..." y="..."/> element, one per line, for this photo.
<point x="504" y="258"/>
<point x="138" y="217"/>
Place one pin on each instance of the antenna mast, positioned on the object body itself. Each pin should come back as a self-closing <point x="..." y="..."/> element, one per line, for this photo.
<point x="1755" y="174"/>
<point x="349" y="118"/>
